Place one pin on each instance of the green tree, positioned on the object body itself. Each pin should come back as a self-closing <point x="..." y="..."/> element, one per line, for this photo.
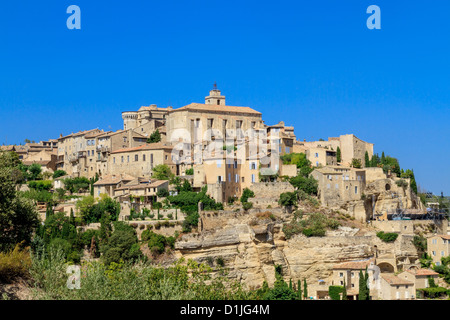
<point x="356" y="163"/>
<point x="308" y="185"/>
<point x="154" y="137"/>
<point x="305" y="289"/>
<point x="18" y="215"/>
<point x="288" y="199"/>
<point x="338" y="154"/>
<point x="162" y="172"/>
<point x="59" y="173"/>
<point x="35" y="170"/>
<point x="344" y="292"/>
<point x="189" y="172"/>
<point x="366" y="160"/>
<point x="246" y="193"/>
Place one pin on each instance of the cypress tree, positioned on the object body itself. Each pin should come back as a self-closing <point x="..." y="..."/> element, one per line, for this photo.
<point x="305" y="289"/>
<point x="344" y="292"/>
<point x="299" y="290"/>
<point x="366" y="285"/>
<point x="383" y="158"/>
<point x="366" y="160"/>
<point x="362" y="285"/>
<point x="290" y="284"/>
<point x="338" y="154"/>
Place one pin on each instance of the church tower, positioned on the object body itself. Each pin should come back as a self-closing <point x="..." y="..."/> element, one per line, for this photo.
<point x="215" y="97"/>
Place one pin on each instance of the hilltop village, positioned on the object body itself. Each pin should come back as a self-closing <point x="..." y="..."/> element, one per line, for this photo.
<point x="238" y="194"/>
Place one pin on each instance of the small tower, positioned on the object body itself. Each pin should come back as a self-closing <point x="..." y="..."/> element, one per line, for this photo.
<point x="215" y="97"/>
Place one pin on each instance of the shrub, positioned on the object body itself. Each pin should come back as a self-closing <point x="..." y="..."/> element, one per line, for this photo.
<point x="335" y="291"/>
<point x="246" y="193"/>
<point x="14" y="264"/>
<point x="309" y="185"/>
<point x="220" y="262"/>
<point x="247" y="205"/>
<point x="388" y="236"/>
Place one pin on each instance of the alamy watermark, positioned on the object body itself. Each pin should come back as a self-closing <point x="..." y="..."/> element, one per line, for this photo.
<point x="74" y="280"/>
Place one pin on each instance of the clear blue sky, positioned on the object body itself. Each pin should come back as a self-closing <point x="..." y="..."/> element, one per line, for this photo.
<point x="313" y="64"/>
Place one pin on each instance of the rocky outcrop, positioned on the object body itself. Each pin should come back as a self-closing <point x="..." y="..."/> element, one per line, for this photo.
<point x="250" y="248"/>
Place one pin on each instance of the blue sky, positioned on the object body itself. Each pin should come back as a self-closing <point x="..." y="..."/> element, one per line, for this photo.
<point x="313" y="64"/>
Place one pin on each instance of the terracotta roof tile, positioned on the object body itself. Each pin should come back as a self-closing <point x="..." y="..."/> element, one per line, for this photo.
<point x="353" y="265"/>
<point x="150" y="146"/>
<point x="212" y="107"/>
<point x="394" y="280"/>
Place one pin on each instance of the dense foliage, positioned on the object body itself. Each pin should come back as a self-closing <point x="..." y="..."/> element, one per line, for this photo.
<point x="387" y="236"/>
<point x="18" y="215"/>
<point x="313" y="225"/>
<point x="188" y="201"/>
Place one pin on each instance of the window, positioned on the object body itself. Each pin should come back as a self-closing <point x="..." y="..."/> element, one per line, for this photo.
<point x="143" y="157"/>
<point x="253" y="178"/>
<point x="219" y="163"/>
<point x="356" y="190"/>
<point x="128" y="158"/>
<point x="114" y="160"/>
<point x="243" y="179"/>
<point x="434" y="241"/>
<point x="317" y="155"/>
<point x="219" y="178"/>
<point x="122" y="159"/>
<point x="442" y="253"/>
<point x="235" y="164"/>
<point x="328" y="186"/>
<point x="353" y="274"/>
<point x="353" y="285"/>
<point x="136" y="157"/>
<point x="229" y="177"/>
<point x="341" y="274"/>
<point x="336" y="186"/>
<point x="317" y="163"/>
<point x="288" y="150"/>
<point x="236" y="178"/>
<point x="433" y="253"/>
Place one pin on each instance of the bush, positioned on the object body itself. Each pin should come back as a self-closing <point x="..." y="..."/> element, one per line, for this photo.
<point x="335" y="291"/>
<point x="247" y="205"/>
<point x="307" y="184"/>
<point x="388" y="236"/>
<point x="246" y="193"/>
<point x="14" y="264"/>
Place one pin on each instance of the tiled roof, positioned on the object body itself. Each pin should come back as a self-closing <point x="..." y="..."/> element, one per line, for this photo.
<point x="212" y="107"/>
<point x="444" y="236"/>
<point x="394" y="280"/>
<point x="353" y="265"/>
<point x="142" y="184"/>
<point x="150" y="146"/>
<point x="423" y="272"/>
<point x="114" y="179"/>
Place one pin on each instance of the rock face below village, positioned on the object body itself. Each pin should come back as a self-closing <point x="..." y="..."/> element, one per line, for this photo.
<point x="250" y="248"/>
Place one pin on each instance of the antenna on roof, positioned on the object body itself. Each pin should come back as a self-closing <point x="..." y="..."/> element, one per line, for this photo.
<point x="215" y="85"/>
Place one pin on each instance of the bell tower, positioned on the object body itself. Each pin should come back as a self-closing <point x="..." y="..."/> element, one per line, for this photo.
<point x="215" y="98"/>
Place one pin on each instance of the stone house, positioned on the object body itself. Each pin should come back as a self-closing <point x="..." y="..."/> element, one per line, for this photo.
<point x="396" y="288"/>
<point x="420" y="277"/>
<point x="438" y="246"/>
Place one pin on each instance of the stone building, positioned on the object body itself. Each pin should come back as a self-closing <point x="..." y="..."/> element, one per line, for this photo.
<point x="396" y="288"/>
<point x="140" y="161"/>
<point x="72" y="152"/>
<point x="366" y="194"/>
<point x="420" y="277"/>
<point x="350" y="147"/>
<point x="108" y="183"/>
<point x="438" y="247"/>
